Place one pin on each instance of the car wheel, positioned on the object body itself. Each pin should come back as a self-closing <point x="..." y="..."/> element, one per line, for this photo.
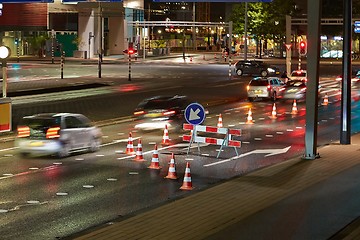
<point x="239" y="72"/>
<point x="250" y="99"/>
<point x="94" y="145"/>
<point x="64" y="151"/>
<point x="263" y="73"/>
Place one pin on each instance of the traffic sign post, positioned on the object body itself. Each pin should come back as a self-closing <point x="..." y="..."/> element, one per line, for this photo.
<point x="194" y="115"/>
<point x="288" y="60"/>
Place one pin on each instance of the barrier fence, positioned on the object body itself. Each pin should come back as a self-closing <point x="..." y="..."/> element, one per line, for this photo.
<point x="227" y="141"/>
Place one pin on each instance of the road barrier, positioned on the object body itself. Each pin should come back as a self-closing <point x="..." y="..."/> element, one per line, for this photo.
<point x="227" y="141"/>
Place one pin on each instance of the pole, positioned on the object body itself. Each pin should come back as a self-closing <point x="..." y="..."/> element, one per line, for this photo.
<point x="314" y="10"/>
<point x="230" y="47"/>
<point x="4" y="70"/>
<point x="99" y="66"/>
<point x="345" y="131"/>
<point x="288" y="42"/>
<point x="62" y="64"/>
<point x="52" y="46"/>
<point x="245" y="30"/>
<point x="129" y="79"/>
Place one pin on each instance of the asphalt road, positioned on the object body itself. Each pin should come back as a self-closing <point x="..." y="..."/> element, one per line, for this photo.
<point x="51" y="198"/>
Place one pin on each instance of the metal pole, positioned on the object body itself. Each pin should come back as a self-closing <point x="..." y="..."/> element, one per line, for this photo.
<point x="129" y="67"/>
<point x="4" y="70"/>
<point x="230" y="47"/>
<point x="345" y="131"/>
<point x="62" y="65"/>
<point x="99" y="66"/>
<point x="314" y="10"/>
<point x="245" y="30"/>
<point x="17" y="50"/>
<point x="288" y="41"/>
<point x="52" y="46"/>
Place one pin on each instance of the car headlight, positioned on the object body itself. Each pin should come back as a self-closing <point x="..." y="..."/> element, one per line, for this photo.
<point x="271" y="70"/>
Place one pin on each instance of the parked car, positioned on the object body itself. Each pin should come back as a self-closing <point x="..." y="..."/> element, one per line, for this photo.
<point x="256" y="68"/>
<point x="56" y="134"/>
<point x="295" y="89"/>
<point x="156" y="112"/>
<point x="298" y="75"/>
<point x="264" y="88"/>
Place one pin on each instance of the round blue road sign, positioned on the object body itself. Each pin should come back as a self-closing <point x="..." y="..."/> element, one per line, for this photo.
<point x="195" y="113"/>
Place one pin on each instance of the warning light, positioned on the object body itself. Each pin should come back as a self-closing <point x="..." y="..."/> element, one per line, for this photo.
<point x="302" y="48"/>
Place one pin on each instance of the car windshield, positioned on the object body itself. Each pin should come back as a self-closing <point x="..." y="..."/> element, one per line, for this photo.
<point x="161" y="103"/>
<point x="39" y="125"/>
<point x="259" y="83"/>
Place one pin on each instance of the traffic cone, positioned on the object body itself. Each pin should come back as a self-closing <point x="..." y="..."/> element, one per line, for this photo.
<point x="139" y="155"/>
<point x="249" y="119"/>
<point x="326" y="100"/>
<point x="220" y="122"/>
<point x="294" y="109"/>
<point x="155" y="159"/>
<point x="273" y="113"/>
<point x="215" y="56"/>
<point x="166" y="140"/>
<point x="130" y="145"/>
<point x="187" y="185"/>
<point x="190" y="59"/>
<point x="203" y="57"/>
<point x="172" y="172"/>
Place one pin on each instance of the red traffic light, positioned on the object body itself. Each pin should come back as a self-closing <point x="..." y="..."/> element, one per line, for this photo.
<point x="302" y="44"/>
<point x="302" y="48"/>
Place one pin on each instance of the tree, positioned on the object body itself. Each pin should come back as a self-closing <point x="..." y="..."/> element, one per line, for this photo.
<point x="265" y="20"/>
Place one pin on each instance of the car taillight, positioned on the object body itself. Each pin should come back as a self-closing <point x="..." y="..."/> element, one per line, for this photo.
<point x="303" y="89"/>
<point x="167" y="113"/>
<point x="268" y="87"/>
<point x="137" y="113"/>
<point x="53" y="132"/>
<point x="23" y="131"/>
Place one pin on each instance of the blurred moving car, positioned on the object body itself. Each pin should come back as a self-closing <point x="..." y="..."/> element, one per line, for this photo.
<point x="156" y="112"/>
<point x="256" y="68"/>
<point x="295" y="89"/>
<point x="264" y="88"/>
<point x="355" y="78"/>
<point x="56" y="134"/>
<point x="298" y="75"/>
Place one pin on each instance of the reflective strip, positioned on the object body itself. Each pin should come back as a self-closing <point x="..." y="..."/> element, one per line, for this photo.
<point x="187" y="179"/>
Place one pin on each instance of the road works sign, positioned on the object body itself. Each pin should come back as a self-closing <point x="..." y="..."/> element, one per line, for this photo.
<point x="5" y="114"/>
<point x="195" y="113"/>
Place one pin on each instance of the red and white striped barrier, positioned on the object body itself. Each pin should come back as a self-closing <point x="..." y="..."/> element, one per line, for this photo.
<point x="227" y="141"/>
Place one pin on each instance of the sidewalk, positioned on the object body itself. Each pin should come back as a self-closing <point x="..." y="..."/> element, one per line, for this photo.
<point x="297" y="199"/>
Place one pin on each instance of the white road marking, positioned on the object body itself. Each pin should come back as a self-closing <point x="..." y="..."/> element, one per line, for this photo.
<point x="88" y="186"/>
<point x="61" y="194"/>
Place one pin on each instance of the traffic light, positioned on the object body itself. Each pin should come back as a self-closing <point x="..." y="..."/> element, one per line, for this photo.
<point x="302" y="48"/>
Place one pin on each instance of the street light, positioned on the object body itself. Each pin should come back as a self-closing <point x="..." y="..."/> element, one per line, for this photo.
<point x="4" y="55"/>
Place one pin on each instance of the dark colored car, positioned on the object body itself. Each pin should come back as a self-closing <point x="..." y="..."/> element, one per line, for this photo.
<point x="256" y="68"/>
<point x="156" y="112"/>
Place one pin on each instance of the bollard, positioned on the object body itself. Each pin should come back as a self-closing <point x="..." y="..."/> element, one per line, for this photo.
<point x="230" y="67"/>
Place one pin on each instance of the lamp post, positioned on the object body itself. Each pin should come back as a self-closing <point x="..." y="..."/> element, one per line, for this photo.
<point x="4" y="55"/>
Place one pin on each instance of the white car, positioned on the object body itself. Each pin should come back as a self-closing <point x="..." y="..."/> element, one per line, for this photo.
<point x="56" y="134"/>
<point x="298" y="75"/>
<point x="264" y="88"/>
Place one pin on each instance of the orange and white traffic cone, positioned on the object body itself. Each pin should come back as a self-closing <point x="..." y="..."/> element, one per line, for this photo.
<point x="130" y="145"/>
<point x="187" y="184"/>
<point x="220" y="122"/>
<point x="249" y="119"/>
<point x="172" y="172"/>
<point x="273" y="113"/>
<point x="166" y="140"/>
<point x="215" y="56"/>
<point x="294" y="109"/>
<point x="139" y="155"/>
<point x="190" y="59"/>
<point x="203" y="57"/>
<point x="155" y="159"/>
<point x="326" y="100"/>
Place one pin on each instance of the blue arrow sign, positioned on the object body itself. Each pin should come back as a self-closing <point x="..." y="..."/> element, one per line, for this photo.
<point x="195" y="113"/>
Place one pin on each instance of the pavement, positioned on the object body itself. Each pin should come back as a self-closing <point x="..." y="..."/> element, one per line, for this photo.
<point x="296" y="199"/>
